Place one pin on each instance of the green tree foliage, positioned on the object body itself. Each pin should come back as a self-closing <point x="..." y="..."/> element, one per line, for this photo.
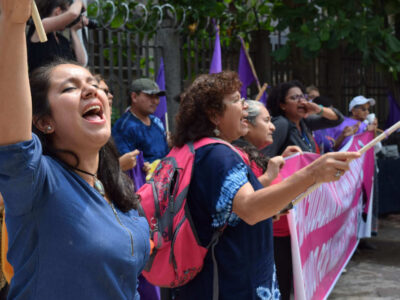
<point x="358" y="26"/>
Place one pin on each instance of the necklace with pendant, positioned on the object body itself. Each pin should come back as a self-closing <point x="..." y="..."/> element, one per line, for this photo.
<point x="98" y="186"/>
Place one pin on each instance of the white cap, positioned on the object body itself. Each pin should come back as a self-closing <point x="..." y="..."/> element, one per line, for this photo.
<point x="360" y="100"/>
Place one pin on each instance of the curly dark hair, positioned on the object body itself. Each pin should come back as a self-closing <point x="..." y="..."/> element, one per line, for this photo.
<point x="278" y="95"/>
<point x="202" y="100"/>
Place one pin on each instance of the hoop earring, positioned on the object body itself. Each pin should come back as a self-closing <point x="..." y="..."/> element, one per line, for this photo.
<point x="216" y="131"/>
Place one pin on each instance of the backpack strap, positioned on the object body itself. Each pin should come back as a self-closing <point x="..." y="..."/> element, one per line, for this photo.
<point x="214" y="241"/>
<point x="212" y="140"/>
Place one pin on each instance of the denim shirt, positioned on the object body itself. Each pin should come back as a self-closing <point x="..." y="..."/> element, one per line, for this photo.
<point x="65" y="239"/>
<point x="130" y="133"/>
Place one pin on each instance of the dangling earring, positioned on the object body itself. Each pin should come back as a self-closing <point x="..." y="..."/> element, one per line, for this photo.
<point x="48" y="129"/>
<point x="216" y="131"/>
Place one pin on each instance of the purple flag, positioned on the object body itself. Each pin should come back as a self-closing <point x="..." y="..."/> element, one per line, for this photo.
<point x="216" y="62"/>
<point x="394" y="111"/>
<point x="263" y="98"/>
<point x="147" y="291"/>
<point x="136" y="173"/>
<point x="246" y="76"/>
<point x="162" y="107"/>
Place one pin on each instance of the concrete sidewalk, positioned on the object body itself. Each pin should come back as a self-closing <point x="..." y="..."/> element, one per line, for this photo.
<point x="374" y="274"/>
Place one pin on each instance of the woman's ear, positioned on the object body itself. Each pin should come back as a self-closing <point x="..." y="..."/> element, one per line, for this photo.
<point x="282" y="106"/>
<point x="213" y="117"/>
<point x="44" y="124"/>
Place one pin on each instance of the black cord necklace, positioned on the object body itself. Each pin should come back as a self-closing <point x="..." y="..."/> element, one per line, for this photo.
<point x="97" y="183"/>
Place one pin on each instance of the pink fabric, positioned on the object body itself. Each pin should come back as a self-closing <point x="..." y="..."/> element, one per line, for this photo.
<point x="324" y="225"/>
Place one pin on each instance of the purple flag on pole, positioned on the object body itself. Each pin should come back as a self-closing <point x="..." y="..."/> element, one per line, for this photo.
<point x="162" y="107"/>
<point x="246" y="76"/>
<point x="136" y="173"/>
<point x="394" y="111"/>
<point x="216" y="62"/>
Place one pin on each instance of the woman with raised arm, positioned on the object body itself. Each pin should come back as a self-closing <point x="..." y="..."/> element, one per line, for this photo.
<point x="73" y="229"/>
<point x="294" y="118"/>
<point x="224" y="191"/>
<point x="56" y="16"/>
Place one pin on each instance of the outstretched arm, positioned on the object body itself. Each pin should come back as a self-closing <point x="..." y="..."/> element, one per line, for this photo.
<point x="15" y="96"/>
<point x="254" y="206"/>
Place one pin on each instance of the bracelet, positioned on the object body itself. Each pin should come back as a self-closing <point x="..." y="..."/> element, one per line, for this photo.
<point x="322" y="110"/>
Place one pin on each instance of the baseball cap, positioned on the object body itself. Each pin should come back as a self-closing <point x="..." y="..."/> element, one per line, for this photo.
<point x="360" y="100"/>
<point x="147" y="86"/>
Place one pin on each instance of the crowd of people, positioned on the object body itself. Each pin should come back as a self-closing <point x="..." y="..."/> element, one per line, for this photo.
<point x="71" y="212"/>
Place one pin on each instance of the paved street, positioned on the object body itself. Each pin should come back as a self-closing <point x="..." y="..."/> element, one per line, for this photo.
<point x="374" y="274"/>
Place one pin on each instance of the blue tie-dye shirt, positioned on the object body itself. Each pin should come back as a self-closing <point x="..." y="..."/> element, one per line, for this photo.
<point x="244" y="253"/>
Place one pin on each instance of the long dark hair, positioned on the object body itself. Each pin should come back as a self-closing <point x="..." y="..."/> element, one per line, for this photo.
<point x="202" y="100"/>
<point x="278" y="95"/>
<point x="118" y="186"/>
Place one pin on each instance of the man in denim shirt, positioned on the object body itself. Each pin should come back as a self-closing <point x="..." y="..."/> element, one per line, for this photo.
<point x="138" y="128"/>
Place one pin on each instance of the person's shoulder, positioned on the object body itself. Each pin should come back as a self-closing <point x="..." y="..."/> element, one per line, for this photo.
<point x="124" y="121"/>
<point x="218" y="152"/>
<point x="153" y="117"/>
<point x="157" y="121"/>
<point x="281" y="123"/>
<point x="281" y="120"/>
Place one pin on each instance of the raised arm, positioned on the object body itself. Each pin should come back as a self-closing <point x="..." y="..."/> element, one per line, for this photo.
<point x="255" y="206"/>
<point x="76" y="41"/>
<point x="328" y="117"/>
<point x="15" y="96"/>
<point x="58" y="23"/>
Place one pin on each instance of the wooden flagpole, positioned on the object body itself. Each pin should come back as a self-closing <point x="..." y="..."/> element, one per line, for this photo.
<point x="262" y="91"/>
<point x="253" y="70"/>
<point x="38" y="23"/>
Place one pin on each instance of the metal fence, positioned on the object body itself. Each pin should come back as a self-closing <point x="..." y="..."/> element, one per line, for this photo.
<point x="121" y="55"/>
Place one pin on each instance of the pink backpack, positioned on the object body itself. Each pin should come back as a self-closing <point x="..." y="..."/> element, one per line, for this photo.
<point x="177" y="256"/>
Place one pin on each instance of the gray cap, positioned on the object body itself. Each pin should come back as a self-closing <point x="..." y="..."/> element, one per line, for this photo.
<point x="147" y="86"/>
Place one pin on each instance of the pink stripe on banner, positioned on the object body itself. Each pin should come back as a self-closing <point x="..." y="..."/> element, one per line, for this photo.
<point x="325" y="225"/>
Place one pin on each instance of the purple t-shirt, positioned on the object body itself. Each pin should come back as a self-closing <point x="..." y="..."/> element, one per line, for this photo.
<point x="335" y="132"/>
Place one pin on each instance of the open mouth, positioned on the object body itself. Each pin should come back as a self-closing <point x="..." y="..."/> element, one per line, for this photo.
<point x="93" y="113"/>
<point x="302" y="108"/>
<point x="243" y="122"/>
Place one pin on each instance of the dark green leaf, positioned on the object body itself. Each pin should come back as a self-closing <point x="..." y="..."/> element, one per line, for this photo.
<point x="281" y="53"/>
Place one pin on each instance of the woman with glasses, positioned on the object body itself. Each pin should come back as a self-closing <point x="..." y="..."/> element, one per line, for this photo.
<point x="294" y="118"/>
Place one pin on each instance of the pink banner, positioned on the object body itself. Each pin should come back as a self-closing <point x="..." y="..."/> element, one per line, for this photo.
<point x="325" y="225"/>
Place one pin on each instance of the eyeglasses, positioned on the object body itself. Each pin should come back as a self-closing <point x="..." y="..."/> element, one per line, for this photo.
<point x="297" y="97"/>
<point x="241" y="100"/>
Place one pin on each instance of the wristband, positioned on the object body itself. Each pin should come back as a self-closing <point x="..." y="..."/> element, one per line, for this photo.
<point x="322" y="110"/>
